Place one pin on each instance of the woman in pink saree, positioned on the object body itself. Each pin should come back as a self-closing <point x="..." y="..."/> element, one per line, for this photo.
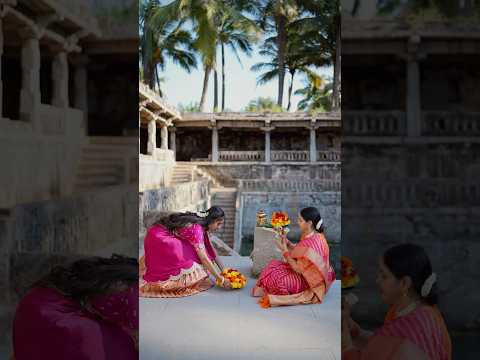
<point x="305" y="275"/>
<point x="414" y="328"/>
<point x="87" y="310"/>
<point x="179" y="255"/>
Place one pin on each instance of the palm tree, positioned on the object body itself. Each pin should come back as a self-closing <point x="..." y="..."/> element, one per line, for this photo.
<point x="158" y="44"/>
<point x="238" y="33"/>
<point x="320" y="32"/>
<point x="201" y="14"/>
<point x="274" y="17"/>
<point x="317" y="94"/>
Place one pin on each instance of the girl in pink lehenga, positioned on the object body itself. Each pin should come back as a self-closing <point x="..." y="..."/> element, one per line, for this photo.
<point x="305" y="275"/>
<point x="179" y="255"/>
<point x="86" y="310"/>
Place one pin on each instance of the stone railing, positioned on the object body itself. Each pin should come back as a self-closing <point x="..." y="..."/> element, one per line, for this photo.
<point x="289" y="185"/>
<point x="376" y="123"/>
<point x="411" y="193"/>
<point x="329" y="155"/>
<point x="290" y="155"/>
<point x="241" y="156"/>
<point x="449" y="123"/>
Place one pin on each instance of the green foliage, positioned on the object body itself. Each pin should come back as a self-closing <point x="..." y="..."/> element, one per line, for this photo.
<point x="316" y="95"/>
<point x="189" y="108"/>
<point x="263" y="104"/>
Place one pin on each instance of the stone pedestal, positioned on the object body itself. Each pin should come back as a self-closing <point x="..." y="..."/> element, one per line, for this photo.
<point x="264" y="249"/>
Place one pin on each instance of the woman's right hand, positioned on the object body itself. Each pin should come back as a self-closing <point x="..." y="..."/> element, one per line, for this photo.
<point x="224" y="283"/>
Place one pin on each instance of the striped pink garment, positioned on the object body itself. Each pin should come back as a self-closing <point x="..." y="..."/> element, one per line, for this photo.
<point x="423" y="329"/>
<point x="278" y="278"/>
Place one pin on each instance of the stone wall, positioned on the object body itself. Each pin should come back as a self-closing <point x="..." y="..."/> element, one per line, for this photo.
<point x="425" y="194"/>
<point x="154" y="174"/>
<point x="35" y="236"/>
<point x="38" y="164"/>
<point x="229" y="173"/>
<point x="328" y="203"/>
<point x="191" y="196"/>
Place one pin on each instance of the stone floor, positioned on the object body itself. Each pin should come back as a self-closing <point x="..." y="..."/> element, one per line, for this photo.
<point x="221" y="324"/>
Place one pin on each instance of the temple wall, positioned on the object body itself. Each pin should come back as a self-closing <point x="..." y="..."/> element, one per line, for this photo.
<point x="421" y="199"/>
<point x="227" y="174"/>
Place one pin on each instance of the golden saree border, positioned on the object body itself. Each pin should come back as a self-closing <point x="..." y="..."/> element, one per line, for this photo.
<point x="309" y="296"/>
<point x="312" y="267"/>
<point x="188" y="282"/>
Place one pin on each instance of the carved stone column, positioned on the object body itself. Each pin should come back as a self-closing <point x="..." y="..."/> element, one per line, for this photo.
<point x="313" y="143"/>
<point x="80" y="86"/>
<point x="414" y="113"/>
<point x="30" y="92"/>
<point x="268" y="142"/>
<point x="164" y="134"/>
<point x="60" y="79"/>
<point x="173" y="141"/>
<point x="215" y="154"/>
<point x="152" y="137"/>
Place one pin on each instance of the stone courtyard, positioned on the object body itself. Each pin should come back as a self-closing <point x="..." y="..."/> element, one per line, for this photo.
<point x="220" y="324"/>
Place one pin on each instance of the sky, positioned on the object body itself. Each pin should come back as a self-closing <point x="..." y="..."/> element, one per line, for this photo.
<point x="180" y="87"/>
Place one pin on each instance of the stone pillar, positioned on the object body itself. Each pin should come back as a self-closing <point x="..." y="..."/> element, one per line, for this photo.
<point x="215" y="154"/>
<point x="173" y="141"/>
<point x="164" y="134"/>
<point x="313" y="144"/>
<point x="414" y="113"/>
<point x="30" y="92"/>
<point x="80" y="86"/>
<point x="60" y="80"/>
<point x="152" y="137"/>
<point x="268" y="150"/>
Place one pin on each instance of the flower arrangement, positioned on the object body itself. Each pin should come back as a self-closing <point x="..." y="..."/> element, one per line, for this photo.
<point x="349" y="274"/>
<point x="280" y="219"/>
<point x="235" y="277"/>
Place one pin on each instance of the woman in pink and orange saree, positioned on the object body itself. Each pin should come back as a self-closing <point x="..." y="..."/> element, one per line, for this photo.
<point x="179" y="255"/>
<point x="414" y="328"/>
<point x="305" y="275"/>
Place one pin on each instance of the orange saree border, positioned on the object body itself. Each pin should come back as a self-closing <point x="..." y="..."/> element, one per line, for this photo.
<point x="313" y="268"/>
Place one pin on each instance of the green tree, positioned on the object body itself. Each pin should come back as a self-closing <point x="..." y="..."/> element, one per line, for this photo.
<point x="238" y="33"/>
<point x="159" y="43"/>
<point x="201" y="15"/>
<point x="274" y="17"/>
<point x="317" y="93"/>
<point x="263" y="104"/>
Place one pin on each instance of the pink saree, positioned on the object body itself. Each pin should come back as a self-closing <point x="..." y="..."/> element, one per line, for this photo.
<point x="279" y="284"/>
<point x="171" y="266"/>
<point x="48" y="325"/>
<point x="419" y="335"/>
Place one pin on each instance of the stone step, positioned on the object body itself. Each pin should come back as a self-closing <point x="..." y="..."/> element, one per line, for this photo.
<point x="99" y="172"/>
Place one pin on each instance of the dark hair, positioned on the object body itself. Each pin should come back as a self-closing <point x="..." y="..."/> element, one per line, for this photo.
<point x="312" y="214"/>
<point x="411" y="260"/>
<point x="92" y="276"/>
<point x="179" y="220"/>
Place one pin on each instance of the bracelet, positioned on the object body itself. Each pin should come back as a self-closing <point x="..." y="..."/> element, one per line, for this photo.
<point x="285" y="254"/>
